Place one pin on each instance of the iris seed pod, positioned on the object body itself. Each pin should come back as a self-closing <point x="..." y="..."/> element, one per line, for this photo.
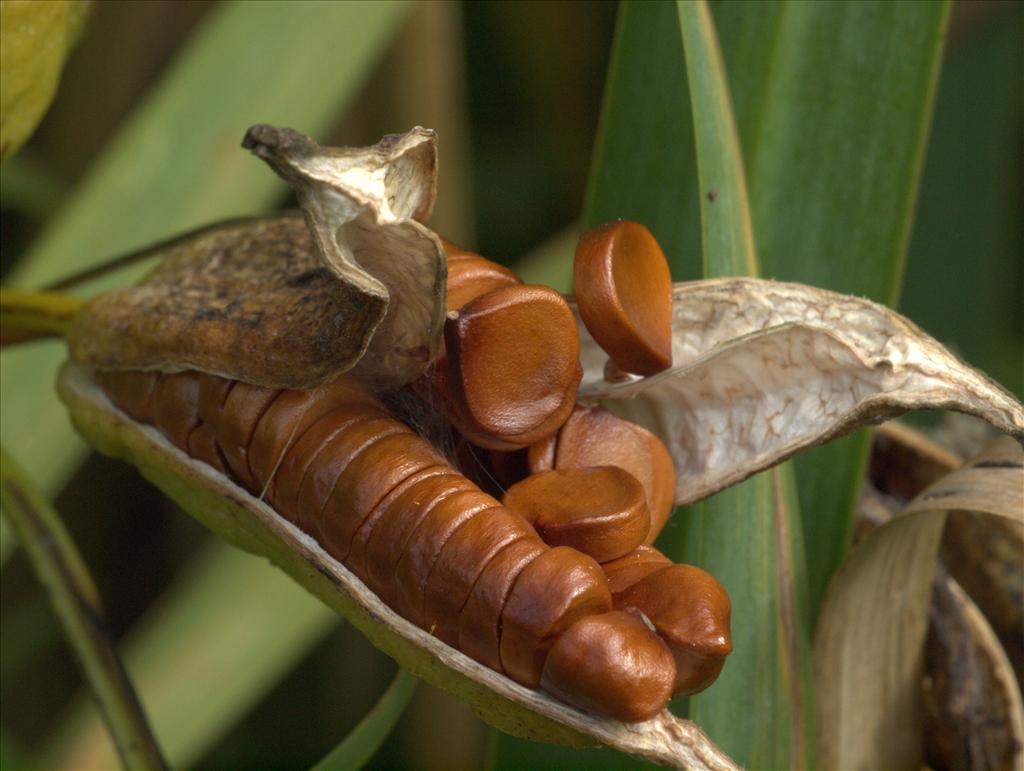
<point x="383" y="501"/>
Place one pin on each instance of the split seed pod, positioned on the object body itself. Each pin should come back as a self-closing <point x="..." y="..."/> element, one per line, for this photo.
<point x="283" y="302"/>
<point x="735" y="332"/>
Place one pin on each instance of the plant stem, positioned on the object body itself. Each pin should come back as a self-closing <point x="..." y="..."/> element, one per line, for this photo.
<point x="75" y="600"/>
<point x="28" y="316"/>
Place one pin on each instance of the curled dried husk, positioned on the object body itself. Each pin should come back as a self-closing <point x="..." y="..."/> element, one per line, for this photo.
<point x="764" y="369"/>
<point x="972" y="708"/>
<point x="869" y="639"/>
<point x="289" y="303"/>
<point x="250" y="524"/>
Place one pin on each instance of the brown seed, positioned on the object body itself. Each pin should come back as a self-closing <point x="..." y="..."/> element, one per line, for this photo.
<point x="132" y="392"/>
<point x="213" y="392"/>
<point x="514" y="368"/>
<point x="480" y="618"/>
<point x="540" y="456"/>
<point x="624" y="293"/>
<point x="202" y="444"/>
<point x="690" y="609"/>
<point x="319" y="481"/>
<point x="555" y="590"/>
<point x="592" y="436"/>
<point x="356" y="560"/>
<point x="239" y="416"/>
<point x="626" y="571"/>
<point x="370" y="475"/>
<point x="302" y="455"/>
<point x="176" y="406"/>
<point x="472" y="276"/>
<point x="292" y="413"/>
<point x="425" y="543"/>
<point x="600" y="511"/>
<point x="611" y="664"/>
<point x="461" y="561"/>
<point x="395" y="524"/>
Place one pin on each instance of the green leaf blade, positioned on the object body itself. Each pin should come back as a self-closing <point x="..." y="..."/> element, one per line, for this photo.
<point x="644" y="165"/>
<point x="748" y="536"/>
<point x="727" y="235"/>
<point x="366" y="738"/>
<point x="834" y="133"/>
<point x="220" y="623"/>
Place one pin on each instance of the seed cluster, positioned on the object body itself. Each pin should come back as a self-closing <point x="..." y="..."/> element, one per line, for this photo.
<point x="555" y="585"/>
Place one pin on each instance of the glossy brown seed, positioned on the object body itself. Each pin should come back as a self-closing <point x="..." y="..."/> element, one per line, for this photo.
<point x="132" y="392"/>
<point x="356" y="560"/>
<point x="397" y="521"/>
<point x="370" y="475"/>
<point x="480" y="618"/>
<point x="460" y="563"/>
<point x="513" y="358"/>
<point x="555" y="590"/>
<point x="472" y="276"/>
<point x="540" y="456"/>
<point x="690" y="611"/>
<point x="239" y="416"/>
<point x="600" y="511"/>
<point x="611" y="664"/>
<point x="301" y="457"/>
<point x="592" y="436"/>
<point x="292" y="413"/>
<point x="639" y="563"/>
<point x="425" y="544"/>
<point x="319" y="483"/>
<point x="176" y="406"/>
<point x="202" y="445"/>
<point x="624" y="294"/>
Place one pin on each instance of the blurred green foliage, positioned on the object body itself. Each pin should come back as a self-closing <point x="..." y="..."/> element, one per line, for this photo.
<point x="35" y="39"/>
<point x="515" y="91"/>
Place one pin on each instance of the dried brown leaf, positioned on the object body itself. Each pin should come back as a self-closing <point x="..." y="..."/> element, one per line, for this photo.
<point x="764" y="369"/>
<point x="868" y="647"/>
<point x="974" y="717"/>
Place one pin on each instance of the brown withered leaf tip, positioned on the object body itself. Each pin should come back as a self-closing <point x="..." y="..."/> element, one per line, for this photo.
<point x="250" y="301"/>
